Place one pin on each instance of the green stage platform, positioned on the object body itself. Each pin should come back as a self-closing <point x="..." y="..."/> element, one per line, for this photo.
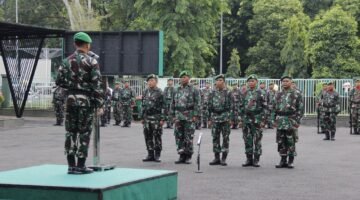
<point x="52" y="182"/>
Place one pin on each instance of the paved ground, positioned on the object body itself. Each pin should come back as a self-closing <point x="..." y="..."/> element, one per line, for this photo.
<point x="324" y="169"/>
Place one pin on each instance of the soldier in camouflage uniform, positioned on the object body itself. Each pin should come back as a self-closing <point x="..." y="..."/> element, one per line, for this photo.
<point x="199" y="119"/>
<point x="117" y="104"/>
<point x="319" y="99"/>
<point x="59" y="98"/>
<point x="288" y="111"/>
<point x="127" y="98"/>
<point x="330" y="108"/>
<point x="243" y="88"/>
<point x="168" y="93"/>
<point x="354" y="98"/>
<point x="80" y="75"/>
<point x="152" y="115"/>
<point x="236" y="98"/>
<point x="219" y="105"/>
<point x="269" y="99"/>
<point x="185" y="109"/>
<point x="107" y="108"/>
<point x="204" y="100"/>
<point x="252" y="109"/>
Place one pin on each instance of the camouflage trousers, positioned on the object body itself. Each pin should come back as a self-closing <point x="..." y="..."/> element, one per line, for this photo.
<point x="329" y="121"/>
<point x="78" y="126"/>
<point x="184" y="136"/>
<point x="235" y="118"/>
<point x="321" y="121"/>
<point x="218" y="129"/>
<point x="252" y="135"/>
<point x="169" y="121"/>
<point x="105" y="118"/>
<point x="153" y="132"/>
<point x="356" y="119"/>
<point x="286" y="140"/>
<point x="204" y="115"/>
<point x="117" y="112"/>
<point x="59" y="110"/>
<point x="270" y="115"/>
<point x="126" y="113"/>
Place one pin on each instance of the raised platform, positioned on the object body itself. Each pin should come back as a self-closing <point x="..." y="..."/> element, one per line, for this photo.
<point x="11" y="122"/>
<point x="52" y="182"/>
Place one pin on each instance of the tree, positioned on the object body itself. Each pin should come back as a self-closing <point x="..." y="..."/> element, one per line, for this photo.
<point x="118" y="14"/>
<point x="292" y="55"/>
<point x="352" y="7"/>
<point x="314" y="7"/>
<point x="333" y="47"/>
<point x="269" y="35"/>
<point x="233" y="69"/>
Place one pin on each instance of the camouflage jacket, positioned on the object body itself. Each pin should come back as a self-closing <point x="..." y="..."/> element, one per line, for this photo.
<point x="127" y="96"/>
<point x="236" y="98"/>
<point x="80" y="74"/>
<point x="331" y="102"/>
<point x="153" y="104"/>
<point x="270" y="95"/>
<point x="253" y="106"/>
<point x="354" y="98"/>
<point x="107" y="98"/>
<point x="168" y="93"/>
<point x="288" y="109"/>
<point x="204" y="93"/>
<point x="186" y="103"/>
<point x="219" y="105"/>
<point x="116" y="95"/>
<point x="59" y="95"/>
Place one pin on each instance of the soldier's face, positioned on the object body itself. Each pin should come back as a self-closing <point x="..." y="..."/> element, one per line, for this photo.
<point x="324" y="87"/>
<point x="252" y="83"/>
<point x="170" y="83"/>
<point x="126" y="84"/>
<point x="262" y="86"/>
<point x="185" y="80"/>
<point x="220" y="83"/>
<point x="357" y="84"/>
<point x="271" y="87"/>
<point x="330" y="87"/>
<point x="152" y="83"/>
<point x="207" y="86"/>
<point x="286" y="83"/>
<point x="234" y="87"/>
<point x="117" y="86"/>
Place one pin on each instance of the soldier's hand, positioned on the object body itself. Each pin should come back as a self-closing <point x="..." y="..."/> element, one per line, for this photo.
<point x="100" y="111"/>
<point x="209" y="123"/>
<point x="161" y="122"/>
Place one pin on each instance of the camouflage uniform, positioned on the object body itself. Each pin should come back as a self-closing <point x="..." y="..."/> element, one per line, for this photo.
<point x="80" y="75"/>
<point x="354" y="97"/>
<point x="288" y="111"/>
<point x="168" y="93"/>
<point x="252" y="109"/>
<point x="59" y="98"/>
<point x="185" y="105"/>
<point x="236" y="98"/>
<point x="117" y="105"/>
<point x="199" y="118"/>
<point x="107" y="108"/>
<point x="270" y="100"/>
<point x="330" y="107"/>
<point x="204" y="93"/>
<point x="127" y="96"/>
<point x="319" y="99"/>
<point x="153" y="106"/>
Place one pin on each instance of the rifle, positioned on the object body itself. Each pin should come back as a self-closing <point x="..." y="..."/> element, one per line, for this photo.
<point x="198" y="156"/>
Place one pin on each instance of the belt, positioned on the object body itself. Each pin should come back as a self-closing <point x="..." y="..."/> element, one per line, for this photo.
<point x="280" y="113"/>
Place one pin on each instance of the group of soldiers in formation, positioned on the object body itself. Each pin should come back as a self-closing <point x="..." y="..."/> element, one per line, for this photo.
<point x="185" y="107"/>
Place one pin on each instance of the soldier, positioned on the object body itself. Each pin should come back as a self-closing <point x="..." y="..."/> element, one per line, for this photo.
<point x="185" y="109"/>
<point x="152" y="115"/>
<point x="199" y="119"/>
<point x="59" y="98"/>
<point x="269" y="99"/>
<point x="219" y="105"/>
<point x="80" y="75"/>
<point x="168" y="93"/>
<point x="288" y="111"/>
<point x="243" y="88"/>
<point x="204" y="100"/>
<point x="252" y="109"/>
<point x="330" y="108"/>
<point x="117" y="104"/>
<point x="319" y="99"/>
<point x="107" y="108"/>
<point x="354" y="98"/>
<point x="262" y="87"/>
<point x="236" y="98"/>
<point x="127" y="98"/>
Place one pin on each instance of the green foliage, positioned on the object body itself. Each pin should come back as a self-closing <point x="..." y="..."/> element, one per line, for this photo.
<point x="333" y="47"/>
<point x="314" y="7"/>
<point x="352" y="7"/>
<point x="234" y="65"/>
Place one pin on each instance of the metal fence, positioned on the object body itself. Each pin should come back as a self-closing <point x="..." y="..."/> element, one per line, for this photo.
<point x="40" y="96"/>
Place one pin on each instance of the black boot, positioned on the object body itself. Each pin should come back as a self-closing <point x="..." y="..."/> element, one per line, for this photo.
<point x="223" y="159"/>
<point x="282" y="163"/>
<point x="216" y="160"/>
<point x="327" y="135"/>
<point x="249" y="161"/>
<point x="332" y="135"/>
<point x="188" y="158"/>
<point x="181" y="159"/>
<point x="256" y="161"/>
<point x="149" y="157"/>
<point x="117" y="123"/>
<point x="205" y="125"/>
<point x="71" y="164"/>
<point x="291" y="162"/>
<point x="157" y="156"/>
<point x="81" y="168"/>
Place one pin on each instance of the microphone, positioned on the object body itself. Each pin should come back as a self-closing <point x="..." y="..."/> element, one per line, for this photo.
<point x="199" y="140"/>
<point x="94" y="55"/>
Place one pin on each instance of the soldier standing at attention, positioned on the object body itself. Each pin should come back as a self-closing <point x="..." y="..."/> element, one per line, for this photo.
<point x="252" y="109"/>
<point x="219" y="105"/>
<point x="168" y="93"/>
<point x="330" y="109"/>
<point x="204" y="100"/>
<point x="199" y="118"/>
<point x="59" y="98"/>
<point x="80" y="75"/>
<point x="288" y="111"/>
<point x="354" y="98"/>
<point x="185" y="109"/>
<point x="236" y="98"/>
<point x="107" y="108"/>
<point x="152" y="115"/>
<point x="117" y="104"/>
<point x="127" y="98"/>
<point x="319" y="100"/>
<point x="270" y="100"/>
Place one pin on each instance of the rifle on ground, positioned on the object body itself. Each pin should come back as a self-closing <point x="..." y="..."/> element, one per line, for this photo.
<point x="198" y="156"/>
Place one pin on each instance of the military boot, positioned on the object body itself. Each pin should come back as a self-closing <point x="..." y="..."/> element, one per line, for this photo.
<point x="327" y="135"/>
<point x="71" y="164"/>
<point x="117" y="123"/>
<point x="223" y="159"/>
<point x="256" y="161"/>
<point x="81" y="168"/>
<point x="204" y="125"/>
<point x="249" y="161"/>
<point x="181" y="159"/>
<point x="332" y="136"/>
<point x="291" y="162"/>
<point x="282" y="163"/>
<point x="216" y="160"/>
<point x="157" y="156"/>
<point x="188" y="158"/>
<point x="149" y="157"/>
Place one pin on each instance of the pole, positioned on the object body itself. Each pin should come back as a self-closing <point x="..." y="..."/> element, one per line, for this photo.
<point x="221" y="43"/>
